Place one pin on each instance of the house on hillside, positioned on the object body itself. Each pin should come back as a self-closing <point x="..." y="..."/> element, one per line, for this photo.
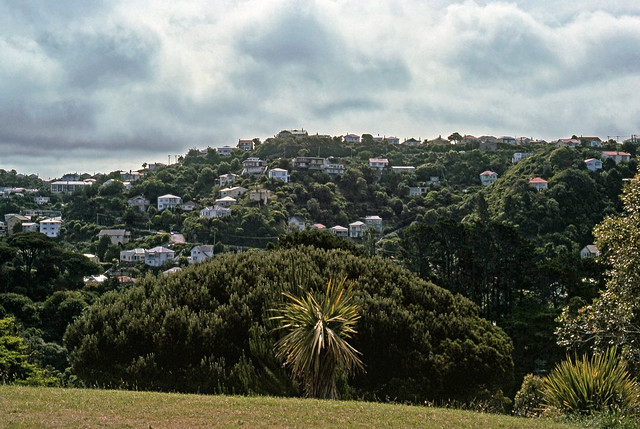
<point x="309" y="163"/>
<point x="215" y="212"/>
<point x="68" y="186"/>
<point x="488" y="177"/>
<point x="200" y="253"/>
<point x="253" y="165"/>
<point x="260" y="194"/>
<point x="592" y="141"/>
<point x="356" y="229"/>
<point x="352" y="138"/>
<point x="403" y="169"/>
<point x="117" y="236"/>
<point x="158" y="256"/>
<point x="51" y="227"/>
<point x="292" y="133"/>
<point x="339" y="231"/>
<point x="226" y="201"/>
<point x="519" y="156"/>
<point x="417" y="190"/>
<point x="374" y="222"/>
<point x="224" y="150"/>
<point x="617" y="156"/>
<point x="334" y="169"/>
<point x="378" y="163"/>
<point x="439" y="141"/>
<point x="593" y="164"/>
<point x="296" y="223"/>
<point x="245" y="144"/>
<point x="234" y="192"/>
<point x="140" y="202"/>
<point x="132" y="256"/>
<point x="168" y="201"/>
<point x="393" y="140"/>
<point x="572" y="143"/>
<point x="12" y="220"/>
<point x="279" y="174"/>
<point x="539" y="183"/>
<point x="411" y="142"/>
<point x="226" y="179"/>
<point x="589" y="251"/>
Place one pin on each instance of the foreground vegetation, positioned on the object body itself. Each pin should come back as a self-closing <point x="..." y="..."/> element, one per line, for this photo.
<point x="28" y="407"/>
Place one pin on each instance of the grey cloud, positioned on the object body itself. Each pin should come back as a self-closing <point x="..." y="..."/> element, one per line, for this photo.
<point x="97" y="59"/>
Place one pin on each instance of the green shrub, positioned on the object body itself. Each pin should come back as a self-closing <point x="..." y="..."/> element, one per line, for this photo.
<point x="528" y="400"/>
<point x="600" y="383"/>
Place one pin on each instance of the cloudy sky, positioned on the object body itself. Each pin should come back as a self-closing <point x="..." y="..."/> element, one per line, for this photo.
<point x="92" y="86"/>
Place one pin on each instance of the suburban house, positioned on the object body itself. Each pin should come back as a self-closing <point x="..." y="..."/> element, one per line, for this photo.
<point x="411" y="142"/>
<point x="215" y="212"/>
<point x="589" y="251"/>
<point x="393" y="140"/>
<point x="253" y="165"/>
<point x="352" y="138"/>
<point x="292" y="133"/>
<point x="245" y="144"/>
<point x="488" y="177"/>
<point x="417" y="190"/>
<point x="11" y="221"/>
<point x="168" y="201"/>
<point x="91" y="257"/>
<point x="117" y="236"/>
<point x="539" y="183"/>
<point x="356" y="229"/>
<point x="200" y="253"/>
<point x="433" y="180"/>
<point x="30" y="227"/>
<point x="593" y="164"/>
<point x="140" y="202"/>
<point x="378" y="163"/>
<point x="403" y="169"/>
<point x="51" y="227"/>
<point x="234" y="192"/>
<point x="226" y="179"/>
<point x="188" y="206"/>
<point x="519" y="156"/>
<point x="171" y="270"/>
<point x="41" y="200"/>
<point x="310" y="162"/>
<point x="260" y="194"/>
<point x="226" y="201"/>
<point x="224" y="150"/>
<point x="339" y="231"/>
<point x="572" y="143"/>
<point x="132" y="256"/>
<point x="158" y="256"/>
<point x="508" y="140"/>
<point x="374" y="222"/>
<point x="592" y="141"/>
<point x="68" y="186"/>
<point x="131" y="176"/>
<point x="616" y="156"/>
<point x="334" y="169"/>
<point x="317" y="226"/>
<point x="279" y="174"/>
<point x="296" y="223"/>
<point x="439" y="142"/>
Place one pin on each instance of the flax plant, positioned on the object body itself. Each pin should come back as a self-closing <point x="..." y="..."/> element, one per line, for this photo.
<point x="315" y="347"/>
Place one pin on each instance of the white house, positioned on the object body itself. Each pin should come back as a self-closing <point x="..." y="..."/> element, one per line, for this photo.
<point x="539" y="183"/>
<point x="403" y="169"/>
<point x="334" y="169"/>
<point x="356" y="229"/>
<point x="378" y="163"/>
<point x="374" y="222"/>
<point x="279" y="174"/>
<point x="488" y="177"/>
<point x="339" y="231"/>
<point x="68" y="186"/>
<point x="226" y="201"/>
<point x="310" y="163"/>
<point x="417" y="190"/>
<point x="30" y="227"/>
<point x="168" y="201"/>
<point x="226" y="179"/>
<point x="245" y="144"/>
<point x="352" y="138"/>
<point x="234" y="192"/>
<point x="296" y="223"/>
<point x="158" y="256"/>
<point x="51" y="227"/>
<point x="393" y="140"/>
<point x="117" y="236"/>
<point x="215" y="212"/>
<point x="140" y="202"/>
<point x="593" y="164"/>
<point x="519" y="156"/>
<point x="616" y="156"/>
<point x="200" y="253"/>
<point x="292" y="133"/>
<point x="40" y="200"/>
<point x="132" y="256"/>
<point x="589" y="251"/>
<point x="224" y="150"/>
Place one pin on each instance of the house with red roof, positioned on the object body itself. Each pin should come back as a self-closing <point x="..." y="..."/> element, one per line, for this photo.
<point x="539" y="183"/>
<point x="488" y="177"/>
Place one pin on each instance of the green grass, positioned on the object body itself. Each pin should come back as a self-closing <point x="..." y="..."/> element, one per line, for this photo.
<point x="37" y="407"/>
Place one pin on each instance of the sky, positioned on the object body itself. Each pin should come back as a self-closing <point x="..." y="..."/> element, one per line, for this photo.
<point x="99" y="86"/>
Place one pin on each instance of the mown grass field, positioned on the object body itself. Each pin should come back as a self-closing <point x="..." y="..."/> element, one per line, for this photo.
<point x="37" y="407"/>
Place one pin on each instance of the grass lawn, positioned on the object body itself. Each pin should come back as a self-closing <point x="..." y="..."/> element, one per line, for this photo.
<point x="34" y="407"/>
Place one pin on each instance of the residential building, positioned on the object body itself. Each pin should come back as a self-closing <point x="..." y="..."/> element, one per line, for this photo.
<point x="253" y="165"/>
<point x="224" y="150"/>
<point x="572" y="143"/>
<point x="508" y="140"/>
<point x="296" y="223"/>
<point x="539" y="183"/>
<point x="132" y="256"/>
<point x="339" y="231"/>
<point x="378" y="163"/>
<point x="117" y="236"/>
<point x="352" y="138"/>
<point x="593" y="164"/>
<point x="51" y="227"/>
<point x="589" y="251"/>
<point x="172" y="270"/>
<point x="260" y="194"/>
<point x="200" y="253"/>
<point x="439" y="141"/>
<point x="279" y="174"/>
<point x="488" y="177"/>
<point x="292" y="133"/>
<point x="393" y="140"/>
<point x="317" y="226"/>
<point x="131" y="176"/>
<point x="168" y="201"/>
<point x="417" y="190"/>
<point x="245" y="144"/>
<point x="158" y="256"/>
<point x="235" y="192"/>
<point x="30" y="227"/>
<point x="356" y="229"/>
<point x="592" y="141"/>
<point x="14" y="221"/>
<point x="41" y="200"/>
<point x="68" y="186"/>
<point x="226" y="179"/>
<point x="519" y="156"/>
<point x="433" y="180"/>
<point x="617" y="156"/>
<point x="374" y="222"/>
<point x="140" y="202"/>
<point x="310" y="163"/>
<point x="411" y="142"/>
<point x="91" y="257"/>
<point x="215" y="212"/>
<point x="334" y="169"/>
<point x="226" y="201"/>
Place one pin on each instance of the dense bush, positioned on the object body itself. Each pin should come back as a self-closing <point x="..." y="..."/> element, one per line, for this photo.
<point x="528" y="401"/>
<point x="207" y="329"/>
